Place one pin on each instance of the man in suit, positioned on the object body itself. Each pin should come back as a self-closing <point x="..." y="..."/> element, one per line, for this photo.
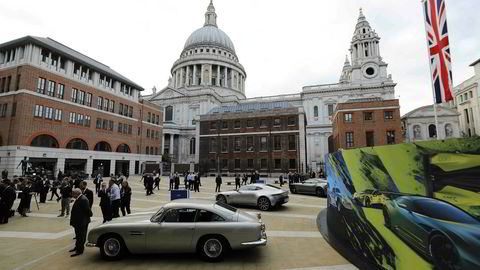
<point x="79" y="219"/>
<point x="218" y="180"/>
<point x="87" y="192"/>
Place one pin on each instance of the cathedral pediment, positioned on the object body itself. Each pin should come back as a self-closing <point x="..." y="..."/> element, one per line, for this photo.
<point x="168" y="93"/>
<point x="427" y="111"/>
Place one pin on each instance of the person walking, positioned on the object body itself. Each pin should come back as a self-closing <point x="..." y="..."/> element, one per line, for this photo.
<point x="149" y="179"/>
<point x="114" y="194"/>
<point x="190" y="181"/>
<point x="177" y="181"/>
<point x="4" y="174"/>
<point x="171" y="182"/>
<point x="25" y="197"/>
<point x="79" y="220"/>
<point x="66" y="192"/>
<point x="7" y="198"/>
<point x="98" y="182"/>
<point x="218" y="181"/>
<point x="125" y="197"/>
<point x="44" y="187"/>
<point x="280" y="179"/>
<point x="196" y="182"/>
<point x="105" y="203"/>
<point x="237" y="181"/>
<point x="157" y="181"/>
<point x="53" y="189"/>
<point x="185" y="179"/>
<point x="87" y="192"/>
<point x="244" y="179"/>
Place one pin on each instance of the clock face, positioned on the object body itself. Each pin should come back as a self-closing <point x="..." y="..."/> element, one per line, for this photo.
<point x="370" y="70"/>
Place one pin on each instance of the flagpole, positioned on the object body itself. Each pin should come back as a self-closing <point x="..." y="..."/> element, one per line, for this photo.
<point x="433" y="87"/>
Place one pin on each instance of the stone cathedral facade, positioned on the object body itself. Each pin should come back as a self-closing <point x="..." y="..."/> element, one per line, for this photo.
<point x="208" y="74"/>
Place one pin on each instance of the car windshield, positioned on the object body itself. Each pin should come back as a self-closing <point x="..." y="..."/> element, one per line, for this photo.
<point x="272" y="186"/>
<point x="157" y="215"/>
<point x="443" y="211"/>
<point x="227" y="207"/>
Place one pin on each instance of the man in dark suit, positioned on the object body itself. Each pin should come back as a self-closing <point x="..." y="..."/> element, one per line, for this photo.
<point x="218" y="180"/>
<point x="79" y="219"/>
<point x="87" y="192"/>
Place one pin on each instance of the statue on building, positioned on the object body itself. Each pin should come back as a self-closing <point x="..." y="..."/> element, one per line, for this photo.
<point x="417" y="132"/>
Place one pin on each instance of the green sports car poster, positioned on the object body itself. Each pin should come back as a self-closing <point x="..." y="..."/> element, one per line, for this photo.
<point x="408" y="206"/>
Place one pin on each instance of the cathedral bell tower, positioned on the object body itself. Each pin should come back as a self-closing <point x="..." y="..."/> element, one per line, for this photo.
<point x="367" y="66"/>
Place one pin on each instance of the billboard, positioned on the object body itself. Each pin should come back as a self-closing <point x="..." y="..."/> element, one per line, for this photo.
<point x="408" y="206"/>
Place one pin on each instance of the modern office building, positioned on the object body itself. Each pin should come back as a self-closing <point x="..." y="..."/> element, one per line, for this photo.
<point x="66" y="111"/>
<point x="264" y="137"/>
<point x="366" y="122"/>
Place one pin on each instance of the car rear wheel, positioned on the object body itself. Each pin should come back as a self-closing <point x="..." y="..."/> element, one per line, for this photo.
<point x="212" y="248"/>
<point x="319" y="192"/>
<point x="443" y="252"/>
<point x="222" y="199"/>
<point x="293" y="190"/>
<point x="386" y="218"/>
<point x="112" y="248"/>
<point x="264" y="203"/>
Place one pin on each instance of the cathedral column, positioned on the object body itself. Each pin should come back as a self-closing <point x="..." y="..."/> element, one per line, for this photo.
<point x="181" y="77"/>
<point x="210" y="71"/>
<point x="225" y="78"/>
<point x="217" y="82"/>
<point x="187" y="76"/>
<point x="202" y="81"/>
<point x="194" y="75"/>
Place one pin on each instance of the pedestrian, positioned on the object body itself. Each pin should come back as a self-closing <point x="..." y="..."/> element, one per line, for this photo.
<point x="53" y="189"/>
<point x="60" y="175"/>
<point x="4" y="174"/>
<point x="177" y="181"/>
<point x="120" y="179"/>
<point x="190" y="181"/>
<point x="280" y="179"/>
<point x="114" y="194"/>
<point x="157" y="181"/>
<point x="144" y="176"/>
<point x="87" y="192"/>
<point x="244" y="179"/>
<point x="44" y="188"/>
<point x="237" y="181"/>
<point x="171" y="180"/>
<point x="24" y="162"/>
<point x="125" y="197"/>
<point x="218" y="181"/>
<point x="7" y="198"/>
<point x="127" y="174"/>
<point x="196" y="182"/>
<point x="25" y="197"/>
<point x="185" y="179"/>
<point x="66" y="192"/>
<point x="150" y="181"/>
<point x="252" y="178"/>
<point x="98" y="182"/>
<point x="105" y="203"/>
<point x="79" y="220"/>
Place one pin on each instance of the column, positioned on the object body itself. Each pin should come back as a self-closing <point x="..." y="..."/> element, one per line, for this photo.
<point x="187" y="76"/>
<point x="225" y="80"/>
<point x="60" y="165"/>
<point x="112" y="166"/>
<point x="58" y="63"/>
<point x="217" y="82"/>
<point x="182" y="82"/>
<point x="89" y="167"/>
<point x="162" y="145"/>
<point x="202" y="81"/>
<point x="194" y="82"/>
<point x="378" y="48"/>
<point x="49" y="60"/>
<point x="170" y="151"/>
<point x="210" y="75"/>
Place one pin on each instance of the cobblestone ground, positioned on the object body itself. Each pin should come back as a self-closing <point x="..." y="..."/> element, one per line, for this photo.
<point x="42" y="240"/>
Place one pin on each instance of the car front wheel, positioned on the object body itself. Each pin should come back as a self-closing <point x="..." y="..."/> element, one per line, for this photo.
<point x="319" y="192"/>
<point x="443" y="252"/>
<point x="293" y="190"/>
<point x="112" y="248"/>
<point x="212" y="248"/>
<point x="222" y="199"/>
<point x="264" y="204"/>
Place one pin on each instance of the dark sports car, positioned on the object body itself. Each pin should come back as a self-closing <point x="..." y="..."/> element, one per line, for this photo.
<point x="439" y="231"/>
<point x="311" y="186"/>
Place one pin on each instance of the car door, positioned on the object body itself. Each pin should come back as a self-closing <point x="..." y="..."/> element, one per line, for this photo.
<point x="408" y="225"/>
<point x="173" y="233"/>
<point x="248" y="196"/>
<point x="309" y="187"/>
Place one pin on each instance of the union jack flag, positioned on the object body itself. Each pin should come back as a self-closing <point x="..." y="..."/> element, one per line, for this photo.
<point x="438" y="49"/>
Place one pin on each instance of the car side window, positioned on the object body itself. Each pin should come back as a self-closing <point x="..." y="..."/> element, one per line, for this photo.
<point x="207" y="216"/>
<point x="180" y="215"/>
<point x="406" y="204"/>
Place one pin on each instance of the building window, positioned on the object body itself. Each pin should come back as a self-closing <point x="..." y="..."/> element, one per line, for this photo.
<point x="349" y="139"/>
<point x="60" y="91"/>
<point x="77" y="144"/>
<point x="263" y="123"/>
<point x="250" y="123"/>
<point x="81" y="97"/>
<point x="370" y="137"/>
<point x="278" y="164"/>
<point x="388" y="115"/>
<point x="224" y="125"/>
<point x="263" y="143"/>
<point x="368" y="116"/>
<point x="277" y="122"/>
<point x="237" y="144"/>
<point x="224" y="165"/>
<point x="192" y="146"/>
<point x="88" y="120"/>
<point x="99" y="103"/>
<point x="263" y="164"/>
<point x="17" y="82"/>
<point x="237" y="124"/>
<point x="106" y="101"/>
<point x="110" y="125"/>
<point x="330" y="109"/>
<point x="72" y="118"/>
<point x="250" y="163"/>
<point x="74" y="95"/>
<point x="14" y="109"/>
<point x="291" y="142"/>
<point x="250" y="146"/>
<point x="348" y="117"/>
<point x="41" y="85"/>
<point x="88" y="100"/>
<point x="111" y="106"/>
<point x="277" y="143"/>
<point x="79" y="119"/>
<point x="213" y="125"/>
<point x="99" y="123"/>
<point x="213" y="145"/>
<point x="148" y="133"/>
<point x="38" y="111"/>
<point x="3" y="110"/>
<point x="149" y="117"/>
<point x="105" y="124"/>
<point x="157" y="120"/>
<point x="51" y="88"/>
<point x="391" y="137"/>
<point x="168" y="113"/>
<point x="224" y="145"/>
<point x="432" y="131"/>
<point x="291" y="121"/>
<point x="147" y="150"/>
<point x="292" y="164"/>
<point x="120" y="128"/>
<point x="237" y="164"/>
<point x="315" y="111"/>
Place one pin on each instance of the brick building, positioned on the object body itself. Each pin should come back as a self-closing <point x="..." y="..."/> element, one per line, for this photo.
<point x="264" y="137"/>
<point x="366" y="122"/>
<point x="54" y="99"/>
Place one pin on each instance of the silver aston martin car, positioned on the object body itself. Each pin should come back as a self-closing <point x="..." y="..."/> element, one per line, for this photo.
<point x="186" y="225"/>
<point x="311" y="186"/>
<point x="260" y="195"/>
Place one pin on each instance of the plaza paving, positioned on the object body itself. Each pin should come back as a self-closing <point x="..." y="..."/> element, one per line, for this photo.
<point x="42" y="240"/>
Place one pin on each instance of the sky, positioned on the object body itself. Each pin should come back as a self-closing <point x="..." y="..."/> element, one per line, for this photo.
<point x="283" y="45"/>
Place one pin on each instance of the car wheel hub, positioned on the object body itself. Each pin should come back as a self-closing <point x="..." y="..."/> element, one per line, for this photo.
<point x="263" y="204"/>
<point x="213" y="248"/>
<point x="111" y="247"/>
